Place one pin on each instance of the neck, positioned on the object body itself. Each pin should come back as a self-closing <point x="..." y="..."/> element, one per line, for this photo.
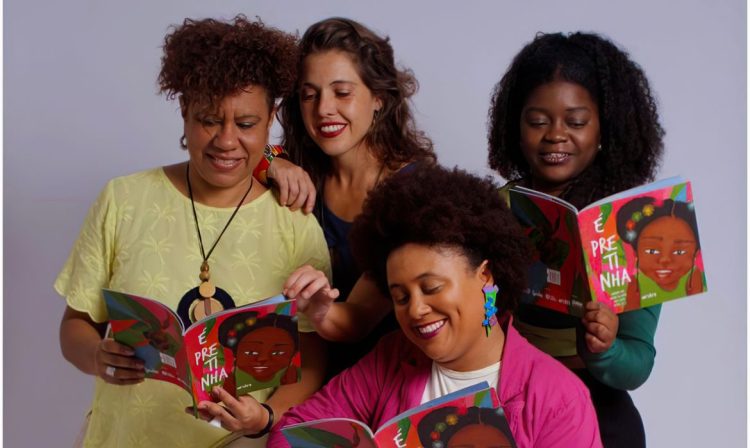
<point x="356" y="168"/>
<point x="551" y="189"/>
<point x="220" y="197"/>
<point x="484" y="353"/>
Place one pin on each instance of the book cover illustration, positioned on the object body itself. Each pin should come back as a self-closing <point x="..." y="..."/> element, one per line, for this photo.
<point x="644" y="249"/>
<point x="453" y="420"/>
<point x="635" y="249"/>
<point x="242" y="349"/>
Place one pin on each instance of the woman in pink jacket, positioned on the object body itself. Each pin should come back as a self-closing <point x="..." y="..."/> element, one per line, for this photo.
<point x="443" y="245"/>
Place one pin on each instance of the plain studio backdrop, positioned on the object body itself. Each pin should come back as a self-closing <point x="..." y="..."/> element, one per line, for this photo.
<point x="81" y="107"/>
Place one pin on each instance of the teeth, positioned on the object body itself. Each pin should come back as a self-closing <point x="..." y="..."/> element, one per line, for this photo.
<point x="431" y="328"/>
<point x="225" y="162"/>
<point x="554" y="157"/>
<point x="332" y="128"/>
<point x="663" y="273"/>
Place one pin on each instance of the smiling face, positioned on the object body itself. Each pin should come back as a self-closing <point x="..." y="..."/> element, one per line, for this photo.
<point x="479" y="436"/>
<point x="264" y="352"/>
<point x="225" y="141"/>
<point x="337" y="107"/>
<point x="666" y="251"/>
<point x="439" y="304"/>
<point x="559" y="134"/>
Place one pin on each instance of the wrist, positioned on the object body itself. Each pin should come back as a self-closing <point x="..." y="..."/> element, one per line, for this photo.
<point x="269" y="423"/>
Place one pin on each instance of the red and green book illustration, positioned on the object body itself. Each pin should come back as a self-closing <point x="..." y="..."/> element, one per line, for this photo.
<point x="456" y="419"/>
<point x="631" y="250"/>
<point x="242" y="349"/>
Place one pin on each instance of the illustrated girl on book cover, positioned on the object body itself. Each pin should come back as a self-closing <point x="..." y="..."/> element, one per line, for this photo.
<point x="664" y="237"/>
<point x="263" y="349"/>
<point x="461" y="427"/>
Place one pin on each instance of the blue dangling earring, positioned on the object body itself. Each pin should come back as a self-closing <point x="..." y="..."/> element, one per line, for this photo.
<point x="490" y="319"/>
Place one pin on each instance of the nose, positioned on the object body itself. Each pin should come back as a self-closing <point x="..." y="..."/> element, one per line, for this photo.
<point x="326" y="105"/>
<point x="262" y="356"/>
<point x="556" y="133"/>
<point x="418" y="308"/>
<point x="226" y="137"/>
<point x="665" y="257"/>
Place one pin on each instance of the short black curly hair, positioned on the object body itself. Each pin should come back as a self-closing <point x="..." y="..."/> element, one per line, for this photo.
<point x="631" y="136"/>
<point x="207" y="60"/>
<point x="629" y="229"/>
<point x="235" y="328"/>
<point x="447" y="208"/>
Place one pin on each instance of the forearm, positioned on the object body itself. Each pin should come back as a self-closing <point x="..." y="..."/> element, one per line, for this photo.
<point x="79" y="339"/>
<point x="628" y="363"/>
<point x="352" y="320"/>
<point x="313" y="371"/>
<point x="345" y="321"/>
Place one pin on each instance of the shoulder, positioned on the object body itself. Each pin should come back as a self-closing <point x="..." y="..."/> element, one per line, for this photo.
<point x="540" y="378"/>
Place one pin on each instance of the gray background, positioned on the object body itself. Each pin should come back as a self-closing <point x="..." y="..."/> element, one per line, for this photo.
<point x="81" y="107"/>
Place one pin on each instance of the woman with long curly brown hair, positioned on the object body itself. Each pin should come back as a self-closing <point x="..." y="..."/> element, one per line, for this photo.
<point x="349" y="124"/>
<point x="162" y="232"/>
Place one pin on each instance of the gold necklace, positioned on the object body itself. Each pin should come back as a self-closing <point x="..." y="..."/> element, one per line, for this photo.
<point x="207" y="290"/>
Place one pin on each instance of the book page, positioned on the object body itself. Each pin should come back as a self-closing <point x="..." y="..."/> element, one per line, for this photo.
<point x="556" y="277"/>
<point x="154" y="331"/>
<point x="331" y="432"/>
<point x="245" y="349"/>
<point x="464" y="416"/>
<point x="636" y="191"/>
<point x="643" y="249"/>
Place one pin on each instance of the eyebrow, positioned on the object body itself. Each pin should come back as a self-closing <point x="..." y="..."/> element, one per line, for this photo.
<point x="661" y="238"/>
<point x="419" y="277"/>
<point x="569" y="109"/>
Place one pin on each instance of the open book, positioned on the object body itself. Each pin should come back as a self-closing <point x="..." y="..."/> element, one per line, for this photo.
<point x="463" y="416"/>
<point x="242" y="349"/>
<point x="630" y="250"/>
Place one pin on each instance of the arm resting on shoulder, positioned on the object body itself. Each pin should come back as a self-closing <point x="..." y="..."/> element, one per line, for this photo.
<point x="628" y="363"/>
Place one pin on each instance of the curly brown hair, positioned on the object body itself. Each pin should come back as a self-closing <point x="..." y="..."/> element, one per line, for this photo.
<point x="631" y="136"/>
<point x="207" y="60"/>
<point x="439" y="207"/>
<point x="393" y="137"/>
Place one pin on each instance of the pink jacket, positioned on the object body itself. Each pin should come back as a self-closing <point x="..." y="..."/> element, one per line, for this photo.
<point x="546" y="405"/>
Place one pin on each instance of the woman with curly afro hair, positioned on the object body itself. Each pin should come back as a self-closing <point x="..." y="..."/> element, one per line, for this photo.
<point x="444" y="246"/>
<point x="350" y="125"/>
<point x="199" y="236"/>
<point x="574" y="117"/>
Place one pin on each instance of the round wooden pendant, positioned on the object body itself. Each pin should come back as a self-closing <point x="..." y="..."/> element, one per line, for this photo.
<point x="198" y="308"/>
<point x="207" y="290"/>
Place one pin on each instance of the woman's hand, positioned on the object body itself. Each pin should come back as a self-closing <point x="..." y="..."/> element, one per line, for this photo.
<point x="116" y="363"/>
<point x="312" y="291"/>
<point x="296" y="189"/>
<point x="601" y="327"/>
<point x="243" y="414"/>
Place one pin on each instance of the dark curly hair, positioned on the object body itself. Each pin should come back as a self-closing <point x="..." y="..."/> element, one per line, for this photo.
<point x="631" y="136"/>
<point x="452" y="209"/>
<point x="393" y="137"/>
<point x="433" y="427"/>
<point x="629" y="229"/>
<point x="207" y="60"/>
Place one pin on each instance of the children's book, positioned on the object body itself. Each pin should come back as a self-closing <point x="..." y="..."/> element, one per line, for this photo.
<point x="242" y="349"/>
<point x="456" y="419"/>
<point x="634" y="249"/>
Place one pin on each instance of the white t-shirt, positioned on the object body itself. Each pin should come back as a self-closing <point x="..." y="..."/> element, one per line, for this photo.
<point x="444" y="381"/>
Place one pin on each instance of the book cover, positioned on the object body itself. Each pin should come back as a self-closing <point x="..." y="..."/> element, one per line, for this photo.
<point x="635" y="249"/>
<point x="456" y="419"/>
<point x="242" y="349"/>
